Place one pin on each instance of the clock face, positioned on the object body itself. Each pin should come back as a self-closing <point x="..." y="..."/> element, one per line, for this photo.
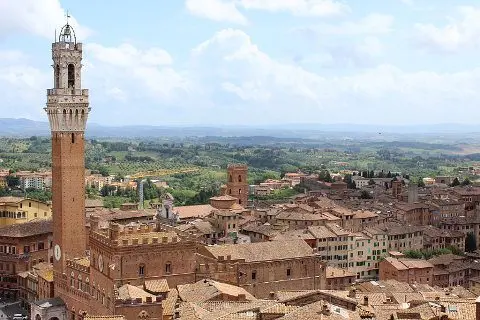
<point x="57" y="252"/>
<point x="100" y="263"/>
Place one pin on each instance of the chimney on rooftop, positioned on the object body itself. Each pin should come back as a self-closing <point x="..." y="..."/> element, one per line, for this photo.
<point x="365" y="300"/>
<point x="325" y="310"/>
<point x="94" y="222"/>
<point x="352" y="293"/>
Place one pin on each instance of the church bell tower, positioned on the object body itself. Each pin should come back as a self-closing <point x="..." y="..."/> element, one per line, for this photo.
<point x="67" y="110"/>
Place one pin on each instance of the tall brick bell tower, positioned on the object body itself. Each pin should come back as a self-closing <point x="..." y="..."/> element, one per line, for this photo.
<point x="67" y="110"/>
<point x="237" y="185"/>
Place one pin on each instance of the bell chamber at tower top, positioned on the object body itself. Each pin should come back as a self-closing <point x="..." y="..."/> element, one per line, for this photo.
<point x="67" y="103"/>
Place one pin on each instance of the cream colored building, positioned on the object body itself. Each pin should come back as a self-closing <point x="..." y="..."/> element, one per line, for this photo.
<point x="366" y="251"/>
<point x="15" y="210"/>
<point x="359" y="253"/>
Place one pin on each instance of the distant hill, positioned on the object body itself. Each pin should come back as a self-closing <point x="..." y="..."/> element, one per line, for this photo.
<point x="25" y="128"/>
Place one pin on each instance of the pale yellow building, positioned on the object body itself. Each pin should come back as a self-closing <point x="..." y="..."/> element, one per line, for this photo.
<point x="15" y="210"/>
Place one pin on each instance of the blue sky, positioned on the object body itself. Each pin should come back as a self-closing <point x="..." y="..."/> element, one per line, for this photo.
<point x="251" y="62"/>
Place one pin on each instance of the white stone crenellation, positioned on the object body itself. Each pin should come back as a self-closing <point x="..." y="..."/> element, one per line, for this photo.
<point x="68" y="117"/>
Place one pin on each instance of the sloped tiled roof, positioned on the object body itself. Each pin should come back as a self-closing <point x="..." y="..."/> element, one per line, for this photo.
<point x="128" y="291"/>
<point x="205" y="290"/>
<point x="262" y="251"/>
<point x="156" y="286"/>
<point x="28" y="229"/>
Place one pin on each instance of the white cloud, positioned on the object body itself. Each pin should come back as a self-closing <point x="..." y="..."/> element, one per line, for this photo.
<point x="117" y="94"/>
<point x="22" y="85"/>
<point x="298" y="7"/>
<point x="228" y="10"/>
<point x="36" y="17"/>
<point x="370" y="46"/>
<point x="462" y="32"/>
<point x="142" y="71"/>
<point x="407" y="2"/>
<point x="217" y="10"/>
<point x="289" y="93"/>
<point x="126" y="55"/>
<point x="229" y="74"/>
<point x="373" y="23"/>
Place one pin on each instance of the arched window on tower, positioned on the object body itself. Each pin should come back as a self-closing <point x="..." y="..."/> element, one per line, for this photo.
<point x="239" y="178"/>
<point x="71" y="76"/>
<point x="57" y="76"/>
<point x="230" y="179"/>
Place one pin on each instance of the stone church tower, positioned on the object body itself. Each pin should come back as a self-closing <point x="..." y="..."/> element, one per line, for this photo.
<point x="67" y="110"/>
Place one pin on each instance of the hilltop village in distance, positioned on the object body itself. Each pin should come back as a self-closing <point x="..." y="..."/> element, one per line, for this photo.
<point x="240" y="236"/>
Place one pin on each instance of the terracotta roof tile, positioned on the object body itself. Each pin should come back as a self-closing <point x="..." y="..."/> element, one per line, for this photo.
<point x="27" y="229"/>
<point x="156" y="286"/>
<point x="262" y="251"/>
<point x="205" y="290"/>
<point x="197" y="211"/>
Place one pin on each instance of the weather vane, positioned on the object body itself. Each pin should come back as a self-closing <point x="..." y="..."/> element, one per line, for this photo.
<point x="67" y="16"/>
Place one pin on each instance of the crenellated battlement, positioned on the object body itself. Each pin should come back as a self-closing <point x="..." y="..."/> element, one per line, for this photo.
<point x="215" y="266"/>
<point x="143" y="234"/>
<point x="70" y="46"/>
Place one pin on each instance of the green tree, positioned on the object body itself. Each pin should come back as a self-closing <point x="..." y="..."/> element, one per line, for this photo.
<point x="349" y="181"/>
<point x="413" y="254"/>
<point x="365" y="195"/>
<point x="466" y="182"/>
<point x="40" y="195"/>
<point x="420" y="183"/>
<point x="455" y="182"/>
<point x="103" y="171"/>
<point x="13" y="181"/>
<point x="371" y="182"/>
<point x="470" y="242"/>
<point x="325" y="176"/>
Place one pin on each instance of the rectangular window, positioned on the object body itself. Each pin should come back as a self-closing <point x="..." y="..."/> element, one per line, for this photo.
<point x="168" y="268"/>
<point x="288" y="272"/>
<point x="254" y="275"/>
